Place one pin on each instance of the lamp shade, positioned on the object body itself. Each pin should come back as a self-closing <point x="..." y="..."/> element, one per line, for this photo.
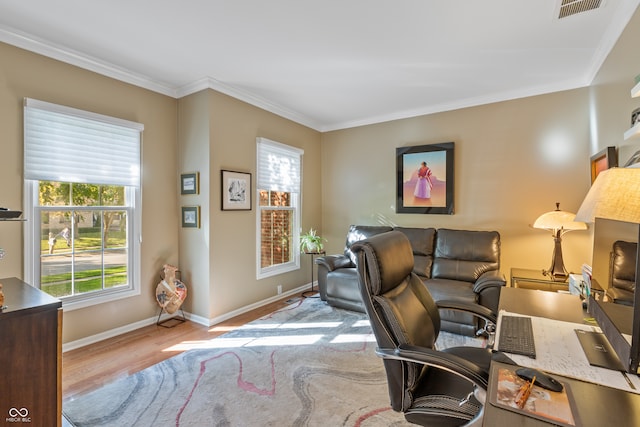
<point x="615" y="195"/>
<point x="559" y="220"/>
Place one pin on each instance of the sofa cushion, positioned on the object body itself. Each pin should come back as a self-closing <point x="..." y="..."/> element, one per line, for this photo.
<point x="465" y="255"/>
<point x="361" y="232"/>
<point x="453" y="290"/>
<point x="422" y="244"/>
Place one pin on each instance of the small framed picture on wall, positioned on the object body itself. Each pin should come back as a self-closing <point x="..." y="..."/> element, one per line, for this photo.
<point x="603" y="160"/>
<point x="191" y="216"/>
<point x="189" y="183"/>
<point x="236" y="191"/>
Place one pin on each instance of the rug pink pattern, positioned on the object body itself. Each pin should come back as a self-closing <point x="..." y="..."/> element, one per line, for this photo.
<point x="306" y="365"/>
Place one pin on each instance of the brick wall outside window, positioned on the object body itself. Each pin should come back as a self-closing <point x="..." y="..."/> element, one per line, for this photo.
<point x="276" y="220"/>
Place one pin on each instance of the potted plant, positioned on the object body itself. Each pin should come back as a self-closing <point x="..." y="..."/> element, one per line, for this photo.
<point x="311" y="243"/>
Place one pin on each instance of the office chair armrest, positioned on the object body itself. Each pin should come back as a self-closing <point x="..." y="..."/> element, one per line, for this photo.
<point x="476" y="309"/>
<point x="489" y="279"/>
<point x="449" y="362"/>
<point x="333" y="262"/>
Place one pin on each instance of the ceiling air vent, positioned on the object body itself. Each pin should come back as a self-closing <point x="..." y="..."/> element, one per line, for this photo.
<point x="573" y="7"/>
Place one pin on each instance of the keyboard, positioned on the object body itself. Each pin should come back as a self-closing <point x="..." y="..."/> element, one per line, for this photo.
<point x="516" y="336"/>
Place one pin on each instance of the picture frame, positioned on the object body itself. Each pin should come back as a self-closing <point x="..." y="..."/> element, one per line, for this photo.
<point x="190" y="183"/>
<point x="235" y="190"/>
<point x="425" y="192"/>
<point x="191" y="217"/>
<point x="603" y="160"/>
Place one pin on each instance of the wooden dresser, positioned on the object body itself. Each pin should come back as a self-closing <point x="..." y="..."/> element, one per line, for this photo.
<point x="30" y="356"/>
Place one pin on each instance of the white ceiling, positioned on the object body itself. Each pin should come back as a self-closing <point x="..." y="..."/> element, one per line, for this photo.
<point x="327" y="64"/>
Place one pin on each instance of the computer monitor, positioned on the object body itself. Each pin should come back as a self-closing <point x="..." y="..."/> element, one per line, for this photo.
<point x="618" y="322"/>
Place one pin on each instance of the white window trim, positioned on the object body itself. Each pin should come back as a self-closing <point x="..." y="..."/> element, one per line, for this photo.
<point x="32" y="251"/>
<point x="274" y="270"/>
<point x="287" y="266"/>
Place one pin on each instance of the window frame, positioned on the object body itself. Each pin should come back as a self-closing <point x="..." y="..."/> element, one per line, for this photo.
<point x="32" y="210"/>
<point x="296" y="207"/>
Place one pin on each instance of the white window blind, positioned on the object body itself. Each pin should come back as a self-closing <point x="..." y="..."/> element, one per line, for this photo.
<point x="69" y="145"/>
<point x="278" y="166"/>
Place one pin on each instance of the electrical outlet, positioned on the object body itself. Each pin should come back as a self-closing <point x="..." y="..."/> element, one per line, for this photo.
<point x="279" y="289"/>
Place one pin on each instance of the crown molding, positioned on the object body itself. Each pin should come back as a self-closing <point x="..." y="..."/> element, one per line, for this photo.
<point x="463" y="103"/>
<point x="249" y="98"/>
<point x="45" y="48"/>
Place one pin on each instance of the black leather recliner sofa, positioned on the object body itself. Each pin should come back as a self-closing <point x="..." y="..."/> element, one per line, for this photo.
<point x="455" y="265"/>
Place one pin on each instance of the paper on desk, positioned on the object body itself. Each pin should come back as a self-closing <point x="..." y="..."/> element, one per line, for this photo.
<point x="558" y="351"/>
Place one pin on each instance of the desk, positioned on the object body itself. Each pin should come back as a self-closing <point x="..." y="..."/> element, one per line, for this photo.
<point x="564" y="307"/>
<point x="596" y="405"/>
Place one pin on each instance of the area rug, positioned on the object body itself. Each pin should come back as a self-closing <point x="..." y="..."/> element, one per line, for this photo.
<point x="308" y="364"/>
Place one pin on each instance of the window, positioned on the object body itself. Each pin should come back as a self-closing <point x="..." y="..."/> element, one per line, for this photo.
<point x="278" y="185"/>
<point x="82" y="204"/>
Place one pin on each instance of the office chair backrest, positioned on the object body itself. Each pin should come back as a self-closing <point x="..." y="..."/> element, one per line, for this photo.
<point x="361" y="232"/>
<point x="400" y="308"/>
<point x="422" y="244"/>
<point x="623" y="265"/>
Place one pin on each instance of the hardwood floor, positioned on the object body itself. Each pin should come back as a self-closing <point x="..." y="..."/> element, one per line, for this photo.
<point x="90" y="367"/>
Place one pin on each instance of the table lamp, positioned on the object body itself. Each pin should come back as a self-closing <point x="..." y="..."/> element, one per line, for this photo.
<point x="559" y="223"/>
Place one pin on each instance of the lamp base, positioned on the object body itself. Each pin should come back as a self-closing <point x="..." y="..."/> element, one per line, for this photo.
<point x="557" y="272"/>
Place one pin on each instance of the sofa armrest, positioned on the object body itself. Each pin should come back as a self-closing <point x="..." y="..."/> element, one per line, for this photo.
<point x="333" y="262"/>
<point x="488" y="288"/>
<point x="476" y="309"/>
<point x="489" y="279"/>
<point x="327" y="264"/>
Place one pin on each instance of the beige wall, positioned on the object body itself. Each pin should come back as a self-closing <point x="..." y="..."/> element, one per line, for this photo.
<point x="220" y="258"/>
<point x="513" y="161"/>
<point x="24" y="74"/>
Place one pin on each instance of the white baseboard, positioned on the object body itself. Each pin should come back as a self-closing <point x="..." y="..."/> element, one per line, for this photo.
<point x="253" y="306"/>
<point x="72" y="345"/>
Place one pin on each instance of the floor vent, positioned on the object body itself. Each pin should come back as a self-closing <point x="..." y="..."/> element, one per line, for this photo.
<point x="573" y="7"/>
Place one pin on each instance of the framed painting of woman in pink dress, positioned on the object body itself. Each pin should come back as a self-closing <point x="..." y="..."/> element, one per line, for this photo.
<point x="424" y="177"/>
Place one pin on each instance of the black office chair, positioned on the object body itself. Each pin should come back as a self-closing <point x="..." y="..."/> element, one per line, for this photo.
<point x="622" y="272"/>
<point x="431" y="387"/>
